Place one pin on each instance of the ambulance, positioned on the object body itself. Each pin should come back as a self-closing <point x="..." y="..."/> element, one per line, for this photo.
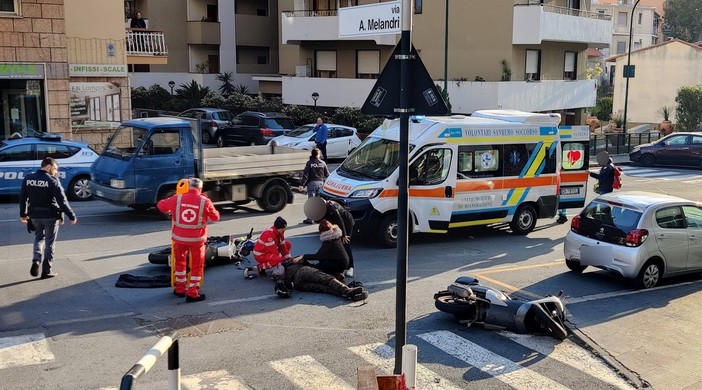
<point x="575" y="147"/>
<point x="495" y="166"/>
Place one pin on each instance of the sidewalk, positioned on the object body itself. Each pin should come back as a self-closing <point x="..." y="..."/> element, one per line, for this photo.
<point x="618" y="159"/>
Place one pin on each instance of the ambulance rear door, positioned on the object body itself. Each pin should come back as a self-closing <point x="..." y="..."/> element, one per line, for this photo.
<point x="432" y="189"/>
<point x="575" y="146"/>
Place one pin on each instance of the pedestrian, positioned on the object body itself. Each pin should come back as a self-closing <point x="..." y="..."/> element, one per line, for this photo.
<point x="271" y="250"/>
<point x="137" y="22"/>
<point x="317" y="209"/>
<point x="316" y="171"/>
<point x="331" y="257"/>
<point x="190" y="213"/>
<point x="562" y="217"/>
<point x="42" y="204"/>
<point x="320" y="137"/>
<point x="310" y="279"/>
<point x="605" y="178"/>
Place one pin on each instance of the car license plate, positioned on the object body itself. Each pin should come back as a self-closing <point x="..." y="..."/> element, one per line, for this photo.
<point x="596" y="255"/>
<point x="570" y="191"/>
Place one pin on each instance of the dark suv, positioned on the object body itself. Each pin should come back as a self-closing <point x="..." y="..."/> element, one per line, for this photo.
<point x="254" y="128"/>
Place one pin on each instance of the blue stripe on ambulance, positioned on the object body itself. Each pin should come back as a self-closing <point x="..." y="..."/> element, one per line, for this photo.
<point x="531" y="159"/>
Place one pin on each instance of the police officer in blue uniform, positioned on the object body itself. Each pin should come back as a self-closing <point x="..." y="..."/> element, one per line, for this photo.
<point x="42" y="204"/>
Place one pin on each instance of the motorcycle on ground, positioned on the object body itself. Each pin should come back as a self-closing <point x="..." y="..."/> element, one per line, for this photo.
<point x="219" y="250"/>
<point x="471" y="303"/>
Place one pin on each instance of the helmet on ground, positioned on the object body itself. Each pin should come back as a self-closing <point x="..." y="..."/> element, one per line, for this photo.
<point x="315" y="208"/>
<point x="284" y="289"/>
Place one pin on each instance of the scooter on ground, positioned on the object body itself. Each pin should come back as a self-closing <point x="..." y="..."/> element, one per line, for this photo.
<point x="219" y="250"/>
<point x="471" y="303"/>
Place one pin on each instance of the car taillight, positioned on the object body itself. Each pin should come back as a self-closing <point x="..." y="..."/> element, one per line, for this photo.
<point x="267" y="132"/>
<point x="575" y="223"/>
<point x="213" y="124"/>
<point x="636" y="237"/>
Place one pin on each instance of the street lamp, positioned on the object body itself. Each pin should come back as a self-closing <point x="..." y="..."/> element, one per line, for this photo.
<point x="171" y="84"/>
<point x="315" y="96"/>
<point x="628" y="69"/>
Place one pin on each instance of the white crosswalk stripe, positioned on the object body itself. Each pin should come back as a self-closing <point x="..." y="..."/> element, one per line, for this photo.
<point x="307" y="373"/>
<point x="24" y="350"/>
<point x="382" y="356"/>
<point x="570" y="354"/>
<point x="660" y="173"/>
<point x="488" y="362"/>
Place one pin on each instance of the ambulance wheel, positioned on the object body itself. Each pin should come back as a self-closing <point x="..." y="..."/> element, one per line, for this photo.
<point x="388" y="231"/>
<point x="160" y="256"/>
<point x="524" y="220"/>
<point x="274" y="198"/>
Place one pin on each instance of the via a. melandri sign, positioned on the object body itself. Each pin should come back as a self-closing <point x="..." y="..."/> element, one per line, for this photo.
<point x="372" y="19"/>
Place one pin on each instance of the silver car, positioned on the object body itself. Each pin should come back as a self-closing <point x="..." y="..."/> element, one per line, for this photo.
<point x="638" y="235"/>
<point x="212" y="119"/>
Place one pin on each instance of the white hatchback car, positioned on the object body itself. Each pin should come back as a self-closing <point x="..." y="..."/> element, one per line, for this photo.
<point x="341" y="140"/>
<point x="638" y="235"/>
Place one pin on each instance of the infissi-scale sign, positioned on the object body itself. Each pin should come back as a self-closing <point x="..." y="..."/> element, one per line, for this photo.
<point x="372" y="19"/>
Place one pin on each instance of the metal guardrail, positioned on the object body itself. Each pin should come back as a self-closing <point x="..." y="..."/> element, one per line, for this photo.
<point x="166" y="343"/>
<point x="619" y="143"/>
<point x="576" y="12"/>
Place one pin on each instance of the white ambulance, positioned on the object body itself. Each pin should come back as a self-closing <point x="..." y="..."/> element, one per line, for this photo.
<point x="495" y="166"/>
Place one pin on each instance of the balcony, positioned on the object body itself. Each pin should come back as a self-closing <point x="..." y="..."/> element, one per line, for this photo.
<point x="534" y="24"/>
<point x="466" y="97"/>
<point x="202" y="33"/>
<point x="304" y="25"/>
<point x="145" y="46"/>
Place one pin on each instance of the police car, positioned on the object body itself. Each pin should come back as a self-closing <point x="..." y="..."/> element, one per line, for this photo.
<point x="20" y="157"/>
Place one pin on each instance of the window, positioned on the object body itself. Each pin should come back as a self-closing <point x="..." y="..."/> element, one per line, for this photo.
<point x="677" y="140"/>
<point x="431" y="168"/>
<point x="164" y="142"/>
<point x="341" y="132"/>
<point x="574" y="156"/>
<point x="670" y="218"/>
<point x="55" y="151"/>
<point x="621" y="18"/>
<point x="621" y="47"/>
<point x="640" y="17"/>
<point x="94" y="109"/>
<point x="9" y="7"/>
<point x="368" y="64"/>
<point x="693" y="216"/>
<point x="570" y="65"/>
<point x="533" y="65"/>
<point x="18" y="153"/>
<point x="417" y="6"/>
<point x="326" y="64"/>
<point x="479" y="161"/>
<point x="113" y="114"/>
<point x="696" y="140"/>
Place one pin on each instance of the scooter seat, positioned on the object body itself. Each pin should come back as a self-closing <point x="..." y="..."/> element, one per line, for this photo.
<point x="467" y="280"/>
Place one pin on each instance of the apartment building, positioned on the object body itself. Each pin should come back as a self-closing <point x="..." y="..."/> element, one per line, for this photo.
<point x="62" y="67"/>
<point x="208" y="37"/>
<point x="542" y="44"/>
<point x="645" y="30"/>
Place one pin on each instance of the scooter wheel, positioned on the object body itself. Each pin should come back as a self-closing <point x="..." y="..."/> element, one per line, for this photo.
<point x="160" y="256"/>
<point x="553" y="326"/>
<point x="460" y="308"/>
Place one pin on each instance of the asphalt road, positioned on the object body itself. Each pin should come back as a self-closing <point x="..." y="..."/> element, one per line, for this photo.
<point x="80" y="331"/>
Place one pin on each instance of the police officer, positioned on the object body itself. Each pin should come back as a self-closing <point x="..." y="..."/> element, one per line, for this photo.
<point x="42" y="204"/>
<point x="190" y="213"/>
<point x="316" y="171"/>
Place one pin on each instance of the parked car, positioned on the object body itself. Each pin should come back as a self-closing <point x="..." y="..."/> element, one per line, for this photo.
<point x="675" y="149"/>
<point x="638" y="235"/>
<point x="20" y="157"/>
<point x="254" y="128"/>
<point x="212" y="119"/>
<point x="341" y="140"/>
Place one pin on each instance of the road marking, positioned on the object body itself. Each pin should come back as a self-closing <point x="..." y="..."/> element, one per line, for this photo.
<point x="490" y="363"/>
<point x="507" y="286"/>
<point x="595" y="297"/>
<point x="88" y="319"/>
<point x="522" y="267"/>
<point x="220" y="379"/>
<point x="571" y="354"/>
<point x="382" y="357"/>
<point x="24" y="350"/>
<point x="307" y="373"/>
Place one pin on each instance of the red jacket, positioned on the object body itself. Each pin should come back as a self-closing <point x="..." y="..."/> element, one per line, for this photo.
<point x="270" y="244"/>
<point x="190" y="213"/>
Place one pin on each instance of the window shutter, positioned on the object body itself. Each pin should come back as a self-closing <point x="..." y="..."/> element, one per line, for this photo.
<point x="569" y="61"/>
<point x="369" y="61"/>
<point x="532" y="61"/>
<point x="326" y="60"/>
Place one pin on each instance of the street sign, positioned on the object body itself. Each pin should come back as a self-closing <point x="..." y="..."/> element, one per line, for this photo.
<point x="384" y="98"/>
<point x="372" y="19"/>
<point x="629" y="71"/>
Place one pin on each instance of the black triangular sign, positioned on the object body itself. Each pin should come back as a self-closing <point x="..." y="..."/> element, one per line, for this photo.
<point x="384" y="98"/>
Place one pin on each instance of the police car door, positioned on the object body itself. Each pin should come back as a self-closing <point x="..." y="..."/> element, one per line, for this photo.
<point x="432" y="178"/>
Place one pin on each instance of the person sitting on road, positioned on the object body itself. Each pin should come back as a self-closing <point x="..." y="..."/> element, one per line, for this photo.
<point x="310" y="279"/>
<point x="317" y="209"/>
<point x="271" y="249"/>
<point x="331" y="256"/>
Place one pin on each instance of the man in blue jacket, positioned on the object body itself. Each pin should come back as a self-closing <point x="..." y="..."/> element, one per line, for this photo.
<point x="42" y="204"/>
<point x="320" y="137"/>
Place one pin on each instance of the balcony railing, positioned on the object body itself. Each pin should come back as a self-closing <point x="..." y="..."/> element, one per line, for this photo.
<point x="576" y="12"/>
<point x="145" y="42"/>
<point x="309" y="12"/>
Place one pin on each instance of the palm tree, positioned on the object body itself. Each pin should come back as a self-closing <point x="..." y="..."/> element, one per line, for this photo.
<point x="193" y="93"/>
<point x="226" y="78"/>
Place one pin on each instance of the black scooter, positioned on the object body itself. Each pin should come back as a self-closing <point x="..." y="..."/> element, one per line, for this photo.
<point x="220" y="250"/>
<point x="471" y="303"/>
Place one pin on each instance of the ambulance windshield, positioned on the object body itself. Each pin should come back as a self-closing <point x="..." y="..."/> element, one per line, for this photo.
<point x="375" y="159"/>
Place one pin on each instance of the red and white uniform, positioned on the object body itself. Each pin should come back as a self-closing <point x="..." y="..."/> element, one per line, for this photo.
<point x="271" y="248"/>
<point x="190" y="212"/>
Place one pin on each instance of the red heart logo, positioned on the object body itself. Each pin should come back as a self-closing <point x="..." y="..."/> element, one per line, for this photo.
<point x="573" y="156"/>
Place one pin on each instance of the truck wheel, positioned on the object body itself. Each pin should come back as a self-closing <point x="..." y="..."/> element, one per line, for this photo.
<point x="524" y="220"/>
<point x="78" y="188"/>
<point x="274" y="198"/>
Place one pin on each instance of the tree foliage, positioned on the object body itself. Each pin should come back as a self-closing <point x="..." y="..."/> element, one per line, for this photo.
<point x="603" y="108"/>
<point x="683" y="19"/>
<point x="688" y="112"/>
<point x="227" y="88"/>
<point x="192" y="93"/>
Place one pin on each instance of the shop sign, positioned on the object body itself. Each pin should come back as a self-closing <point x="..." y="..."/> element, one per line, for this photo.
<point x="97" y="70"/>
<point x="21" y="71"/>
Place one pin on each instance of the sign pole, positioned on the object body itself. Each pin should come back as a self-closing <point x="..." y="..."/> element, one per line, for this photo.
<point x="403" y="197"/>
